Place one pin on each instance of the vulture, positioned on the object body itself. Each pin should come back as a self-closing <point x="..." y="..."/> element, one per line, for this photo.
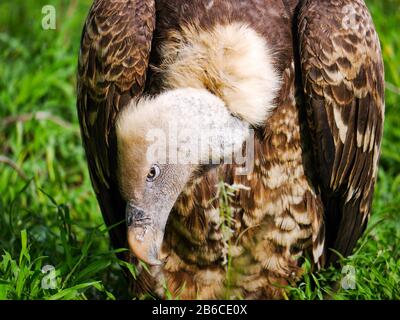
<point x="229" y="140"/>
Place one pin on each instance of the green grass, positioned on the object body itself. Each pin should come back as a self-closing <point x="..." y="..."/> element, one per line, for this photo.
<point x="48" y="212"/>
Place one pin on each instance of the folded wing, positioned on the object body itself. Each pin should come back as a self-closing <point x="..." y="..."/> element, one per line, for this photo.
<point x="343" y="80"/>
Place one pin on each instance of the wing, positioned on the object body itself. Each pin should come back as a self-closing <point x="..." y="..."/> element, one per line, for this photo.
<point x="113" y="61"/>
<point x="343" y="81"/>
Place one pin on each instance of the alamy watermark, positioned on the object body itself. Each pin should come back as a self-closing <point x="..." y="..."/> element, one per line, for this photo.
<point x="212" y="146"/>
<point x="349" y="279"/>
<point x="353" y="20"/>
<point x="49" y="19"/>
<point x="49" y="280"/>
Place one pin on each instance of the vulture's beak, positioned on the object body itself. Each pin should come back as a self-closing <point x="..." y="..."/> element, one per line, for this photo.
<point x="144" y="236"/>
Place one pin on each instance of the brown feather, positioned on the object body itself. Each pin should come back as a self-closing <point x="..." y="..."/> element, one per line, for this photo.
<point x="352" y="83"/>
<point x="113" y="60"/>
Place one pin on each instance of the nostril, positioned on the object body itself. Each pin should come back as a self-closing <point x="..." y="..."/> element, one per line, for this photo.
<point x="138" y="214"/>
<point x="133" y="214"/>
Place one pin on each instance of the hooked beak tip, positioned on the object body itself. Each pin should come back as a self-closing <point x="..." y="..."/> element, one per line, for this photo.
<point x="143" y="245"/>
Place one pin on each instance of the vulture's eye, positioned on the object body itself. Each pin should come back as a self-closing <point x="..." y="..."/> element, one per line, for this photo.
<point x="153" y="173"/>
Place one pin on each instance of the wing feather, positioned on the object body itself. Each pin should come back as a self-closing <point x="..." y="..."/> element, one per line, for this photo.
<point x="113" y="61"/>
<point x="343" y="81"/>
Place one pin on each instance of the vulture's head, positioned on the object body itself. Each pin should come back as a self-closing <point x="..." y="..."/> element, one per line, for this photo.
<point x="162" y="144"/>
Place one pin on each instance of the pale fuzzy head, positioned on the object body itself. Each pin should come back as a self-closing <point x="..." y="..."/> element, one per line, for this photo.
<point x="157" y="158"/>
<point x="235" y="65"/>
